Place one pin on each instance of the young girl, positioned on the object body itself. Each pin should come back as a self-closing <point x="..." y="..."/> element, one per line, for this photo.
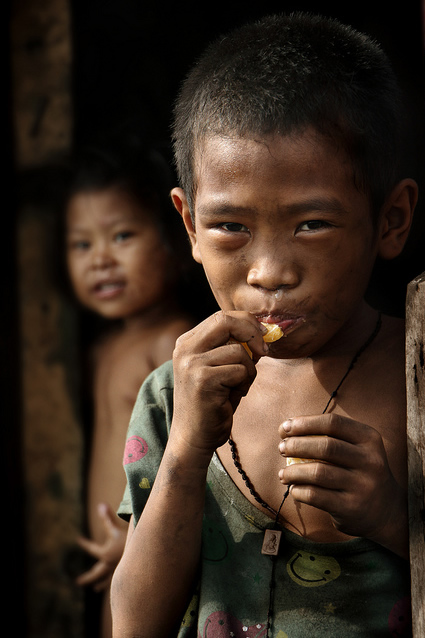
<point x="125" y="259"/>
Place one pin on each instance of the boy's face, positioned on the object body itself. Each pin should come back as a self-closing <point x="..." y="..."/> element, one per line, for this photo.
<point x="116" y="258"/>
<point x="282" y="232"/>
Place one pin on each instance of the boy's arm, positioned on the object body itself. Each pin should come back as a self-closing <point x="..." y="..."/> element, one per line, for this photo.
<point x="355" y="485"/>
<point x="153" y="582"/>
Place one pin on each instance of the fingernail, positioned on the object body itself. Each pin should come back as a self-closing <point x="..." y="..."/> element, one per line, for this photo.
<point x="282" y="447"/>
<point x="286" y="425"/>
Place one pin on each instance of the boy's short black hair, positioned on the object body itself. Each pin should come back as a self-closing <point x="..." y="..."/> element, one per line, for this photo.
<point x="283" y="74"/>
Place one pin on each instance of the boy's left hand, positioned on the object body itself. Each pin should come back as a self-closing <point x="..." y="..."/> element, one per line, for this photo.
<point x="353" y="483"/>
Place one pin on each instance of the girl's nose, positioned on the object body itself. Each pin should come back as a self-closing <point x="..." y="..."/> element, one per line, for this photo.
<point x="101" y="256"/>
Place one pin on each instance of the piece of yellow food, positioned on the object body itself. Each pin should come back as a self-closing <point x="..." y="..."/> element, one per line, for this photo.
<point x="291" y="460"/>
<point x="274" y="332"/>
<point x="245" y="345"/>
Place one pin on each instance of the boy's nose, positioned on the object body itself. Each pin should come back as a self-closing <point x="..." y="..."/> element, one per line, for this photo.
<point x="273" y="272"/>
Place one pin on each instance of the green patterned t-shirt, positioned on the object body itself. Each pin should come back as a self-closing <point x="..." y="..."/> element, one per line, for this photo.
<point x="353" y="589"/>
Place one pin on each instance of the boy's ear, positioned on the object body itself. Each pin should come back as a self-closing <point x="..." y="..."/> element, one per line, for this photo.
<point x="396" y="218"/>
<point x="180" y="202"/>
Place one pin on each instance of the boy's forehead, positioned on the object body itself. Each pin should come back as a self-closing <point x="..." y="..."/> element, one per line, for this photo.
<point x="286" y="169"/>
<point x="222" y="158"/>
<point x="222" y="152"/>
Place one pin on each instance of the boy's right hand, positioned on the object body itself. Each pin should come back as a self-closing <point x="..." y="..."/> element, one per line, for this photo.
<point x="212" y="372"/>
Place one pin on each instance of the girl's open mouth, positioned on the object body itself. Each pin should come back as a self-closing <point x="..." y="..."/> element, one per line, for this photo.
<point x="108" y="290"/>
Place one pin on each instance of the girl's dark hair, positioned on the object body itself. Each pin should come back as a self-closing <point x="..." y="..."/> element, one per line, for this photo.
<point x="283" y="74"/>
<point x="142" y="172"/>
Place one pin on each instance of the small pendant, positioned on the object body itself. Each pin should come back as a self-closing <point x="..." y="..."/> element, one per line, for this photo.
<point x="271" y="542"/>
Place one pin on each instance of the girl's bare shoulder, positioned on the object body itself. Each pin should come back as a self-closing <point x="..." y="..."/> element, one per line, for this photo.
<point x="153" y="343"/>
<point x="167" y="335"/>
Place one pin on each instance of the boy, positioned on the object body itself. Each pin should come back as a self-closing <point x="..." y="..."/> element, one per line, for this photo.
<point x="286" y="145"/>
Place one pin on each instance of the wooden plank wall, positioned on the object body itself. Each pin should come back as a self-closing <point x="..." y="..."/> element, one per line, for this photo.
<point x="51" y="438"/>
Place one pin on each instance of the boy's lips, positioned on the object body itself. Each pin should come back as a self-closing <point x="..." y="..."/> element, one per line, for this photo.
<point x="286" y="323"/>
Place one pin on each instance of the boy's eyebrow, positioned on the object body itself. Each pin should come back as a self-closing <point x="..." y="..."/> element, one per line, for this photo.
<point x="326" y="204"/>
<point x="218" y="209"/>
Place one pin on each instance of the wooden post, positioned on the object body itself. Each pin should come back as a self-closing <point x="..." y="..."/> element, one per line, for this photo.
<point x="415" y="384"/>
<point x="51" y="432"/>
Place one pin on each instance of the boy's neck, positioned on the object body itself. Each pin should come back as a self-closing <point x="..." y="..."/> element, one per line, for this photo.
<point x="352" y="335"/>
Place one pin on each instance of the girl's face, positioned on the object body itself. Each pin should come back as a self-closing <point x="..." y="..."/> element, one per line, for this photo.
<point x="117" y="261"/>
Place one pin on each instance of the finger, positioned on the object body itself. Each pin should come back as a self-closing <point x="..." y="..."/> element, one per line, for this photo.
<point x="228" y="366"/>
<point x="325" y="475"/>
<point x="91" y="547"/>
<point x="220" y="379"/>
<point x="245" y="329"/>
<point x="305" y="449"/>
<point x="220" y="328"/>
<point x="234" y="354"/>
<point x="333" y="425"/>
<point x="324" y="499"/>
<point x="96" y="573"/>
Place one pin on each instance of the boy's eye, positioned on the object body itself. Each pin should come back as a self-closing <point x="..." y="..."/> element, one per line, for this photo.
<point x="313" y="224"/>
<point x="234" y="227"/>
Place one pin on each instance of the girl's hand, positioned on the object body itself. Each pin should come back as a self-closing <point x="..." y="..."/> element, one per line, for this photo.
<point x="108" y="554"/>
<point x="212" y="372"/>
<point x="354" y="482"/>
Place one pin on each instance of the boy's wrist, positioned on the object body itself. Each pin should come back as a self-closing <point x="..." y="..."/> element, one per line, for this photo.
<point x="185" y="455"/>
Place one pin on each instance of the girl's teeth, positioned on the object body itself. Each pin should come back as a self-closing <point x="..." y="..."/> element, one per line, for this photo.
<point x="109" y="286"/>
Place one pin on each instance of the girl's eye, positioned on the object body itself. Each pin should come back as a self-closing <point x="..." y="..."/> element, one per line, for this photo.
<point x="80" y="245"/>
<point x="123" y="235"/>
<point x="313" y="224"/>
<point x="234" y="227"/>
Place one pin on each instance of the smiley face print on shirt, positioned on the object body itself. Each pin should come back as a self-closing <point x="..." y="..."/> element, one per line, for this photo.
<point x="312" y="570"/>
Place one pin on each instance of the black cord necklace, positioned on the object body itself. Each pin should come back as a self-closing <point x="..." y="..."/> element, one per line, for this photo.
<point x="272" y="535"/>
